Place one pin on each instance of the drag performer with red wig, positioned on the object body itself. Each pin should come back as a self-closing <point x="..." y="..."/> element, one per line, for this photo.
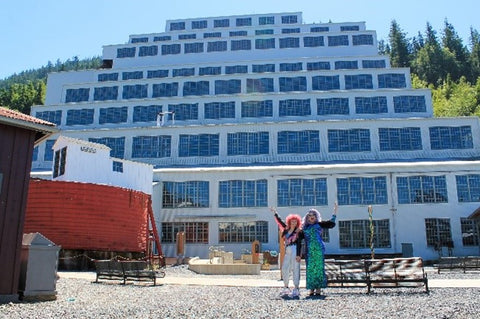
<point x="290" y="230"/>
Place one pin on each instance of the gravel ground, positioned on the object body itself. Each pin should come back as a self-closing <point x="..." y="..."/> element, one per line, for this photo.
<point x="80" y="298"/>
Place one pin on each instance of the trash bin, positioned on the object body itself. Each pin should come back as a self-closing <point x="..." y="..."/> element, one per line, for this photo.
<point x="38" y="268"/>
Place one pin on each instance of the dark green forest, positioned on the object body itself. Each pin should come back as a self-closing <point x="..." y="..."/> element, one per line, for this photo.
<point x="438" y="60"/>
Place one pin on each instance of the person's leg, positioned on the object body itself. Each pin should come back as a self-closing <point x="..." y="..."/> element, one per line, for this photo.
<point x="296" y="277"/>
<point x="286" y="267"/>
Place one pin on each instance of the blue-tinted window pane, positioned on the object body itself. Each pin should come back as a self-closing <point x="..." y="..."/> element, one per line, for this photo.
<point x="349" y="28"/>
<point x="233" y="69"/>
<point x="184" y="111"/>
<point x="409" y="103"/>
<point x="262" y="68"/>
<point x="331" y="106"/>
<point x="313" y="66"/>
<point x="362" y="39"/>
<point x="264" y="32"/>
<point x="116" y="144"/>
<point x="139" y="40"/>
<point x="221" y="23"/>
<point x="193" y="47"/>
<point x="137" y="91"/>
<point x="468" y="188"/>
<point x="151" y="146"/>
<point x="77" y="95"/>
<point x="183" y="72"/>
<point x="371" y="105"/>
<point x="290" y="30"/>
<point x="422" y="189"/>
<point x="257" y="108"/>
<point x="240" y="22"/>
<point x="391" y="81"/>
<point x="146" y="113"/>
<point x="400" y="139"/>
<point x="289" y="43"/>
<point x="374" y="64"/>
<point x="264" y="44"/>
<point x="319" y="29"/>
<point x="353" y="140"/>
<point x="247" y="143"/>
<point x="185" y="194"/>
<point x="348" y="65"/>
<point x="237" y="45"/>
<point x="293" y="84"/>
<point x="210" y="70"/>
<point x="135" y="75"/>
<point x="171" y="49"/>
<point x="162" y="38"/>
<point x="337" y="40"/>
<point x="311" y="42"/>
<point x="48" y="155"/>
<point x="325" y="83"/>
<point x="105" y="93"/>
<point x="238" y="193"/>
<point x="261" y="85"/>
<point x="207" y="35"/>
<point x="238" y="33"/>
<point x="202" y="24"/>
<point x="227" y="86"/>
<point x="217" y="46"/>
<point x="290" y="19"/>
<point x="266" y="20"/>
<point x="451" y="137"/>
<point x="113" y="115"/>
<point x="107" y="77"/>
<point x="360" y="81"/>
<point x="196" y="88"/>
<point x="79" y="117"/>
<point x="220" y="110"/>
<point x="126" y="52"/>
<point x="50" y="116"/>
<point x="165" y="89"/>
<point x="198" y="145"/>
<point x="148" y="50"/>
<point x="175" y="26"/>
<point x="362" y="191"/>
<point x="298" y="142"/>
<point x="302" y="192"/>
<point x="295" y="107"/>
<point x="291" y="67"/>
<point x="157" y="74"/>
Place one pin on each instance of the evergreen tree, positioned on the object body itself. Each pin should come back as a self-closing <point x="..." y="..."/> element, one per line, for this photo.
<point x="458" y="64"/>
<point x="399" y="54"/>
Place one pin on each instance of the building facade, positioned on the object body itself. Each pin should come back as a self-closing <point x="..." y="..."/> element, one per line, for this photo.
<point x="241" y="113"/>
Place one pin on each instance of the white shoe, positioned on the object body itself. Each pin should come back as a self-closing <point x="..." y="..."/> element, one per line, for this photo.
<point x="285" y="291"/>
<point x="295" y="293"/>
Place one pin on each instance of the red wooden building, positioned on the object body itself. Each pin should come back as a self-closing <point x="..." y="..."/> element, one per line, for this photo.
<point x="18" y="135"/>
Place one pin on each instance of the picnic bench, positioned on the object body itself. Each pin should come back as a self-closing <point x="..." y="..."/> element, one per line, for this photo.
<point x="464" y="262"/>
<point x="371" y="273"/>
<point x="124" y="270"/>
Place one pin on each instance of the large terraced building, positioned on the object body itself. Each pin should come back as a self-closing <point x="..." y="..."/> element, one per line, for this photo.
<point x="242" y="113"/>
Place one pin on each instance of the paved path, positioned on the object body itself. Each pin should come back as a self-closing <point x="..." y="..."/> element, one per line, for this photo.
<point x="236" y="282"/>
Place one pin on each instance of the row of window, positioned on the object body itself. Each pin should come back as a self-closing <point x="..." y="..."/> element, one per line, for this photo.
<point x="418" y="189"/>
<point x="245" y="44"/>
<point x="288" y="142"/>
<point x="352" y="233"/>
<point x="235" y="86"/>
<point x="237" y="33"/>
<point x="248" y="109"/>
<point x="243" y="69"/>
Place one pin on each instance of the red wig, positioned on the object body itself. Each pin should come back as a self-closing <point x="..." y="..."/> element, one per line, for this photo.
<point x="294" y="217"/>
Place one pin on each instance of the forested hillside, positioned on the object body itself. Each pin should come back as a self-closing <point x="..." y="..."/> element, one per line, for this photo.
<point x="437" y="60"/>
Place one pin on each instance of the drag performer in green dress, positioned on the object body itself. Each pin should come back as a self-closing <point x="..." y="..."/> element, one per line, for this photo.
<point x="315" y="248"/>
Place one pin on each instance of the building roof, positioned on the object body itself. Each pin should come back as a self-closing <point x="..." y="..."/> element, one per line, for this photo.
<point x="475" y="214"/>
<point x="18" y="119"/>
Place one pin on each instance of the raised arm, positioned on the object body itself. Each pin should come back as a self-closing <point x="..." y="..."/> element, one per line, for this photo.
<point x="281" y="224"/>
<point x="331" y="222"/>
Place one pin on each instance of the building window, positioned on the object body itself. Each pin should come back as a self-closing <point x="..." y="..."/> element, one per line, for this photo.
<point x="298" y="142"/>
<point x="195" y="232"/>
<point x="171" y="49"/>
<point x="362" y="190"/>
<point x="302" y="192"/>
<point x="151" y="146"/>
<point x="59" y="163"/>
<point x="319" y="29"/>
<point x="247" y="143"/>
<point x="146" y="113"/>
<point x="333" y="106"/>
<point x="237" y="45"/>
<point x="198" y="145"/>
<point x="222" y="23"/>
<point x="294" y="107"/>
<point x="392" y="81"/>
<point x="359" y="81"/>
<point x="202" y="24"/>
<point x="349" y="28"/>
<point x="290" y="19"/>
<point x="470" y="232"/>
<point x="289" y="43"/>
<point x="154" y="74"/>
<point x="176" y="26"/>
<point x="314" y="66"/>
<point x="400" y="139"/>
<point x="220" y="110"/>
<point x="241" y="22"/>
<point x="105" y="93"/>
<point x="227" y="86"/>
<point x="196" y="88"/>
<point x="298" y="83"/>
<point x="116" y="144"/>
<point x="261" y="85"/>
<point x="242" y="193"/>
<point x="80" y="117"/>
<point x="183" y="72"/>
<point x="262" y="68"/>
<point x="266" y="20"/>
<point x="243" y="232"/>
<point x="48" y="155"/>
<point x="50" y="116"/>
<point x="353" y="140"/>
<point x="139" y="40"/>
<point x="113" y="115"/>
<point x="356" y="233"/>
<point x="148" y="50"/>
<point x="409" y="103"/>
<point x="165" y="89"/>
<point x="362" y="39"/>
<point x="264" y="32"/>
<point x="468" y="188"/>
<point x="257" y="109"/>
<point x="162" y="38"/>
<point x="422" y="189"/>
<point x="291" y="30"/>
<point x="326" y="82"/>
<point x="137" y="91"/>
<point x="438" y="232"/>
<point x="34" y="158"/>
<point x="338" y="40"/>
<point x="451" y="137"/>
<point x="135" y="75"/>
<point x="117" y="166"/>
<point x="233" y="69"/>
<point x="217" y="46"/>
<point x="77" y="95"/>
<point x="207" y="35"/>
<point x="126" y="53"/>
<point x="193" y="47"/>
<point x="346" y="65"/>
<point x="210" y="70"/>
<point x="185" y="194"/>
<point x="312" y="42"/>
<point x="291" y="67"/>
<point x="238" y="33"/>
<point x="184" y="111"/>
<point x="371" y="105"/>
<point x="262" y="44"/>
<point x="374" y="64"/>
<point x="107" y="77"/>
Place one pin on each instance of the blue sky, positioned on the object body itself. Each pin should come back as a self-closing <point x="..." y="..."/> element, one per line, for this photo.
<point x="35" y="32"/>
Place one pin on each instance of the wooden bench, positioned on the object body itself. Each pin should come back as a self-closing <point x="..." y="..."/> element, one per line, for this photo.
<point x="370" y="273"/>
<point x="123" y="270"/>
<point x="467" y="262"/>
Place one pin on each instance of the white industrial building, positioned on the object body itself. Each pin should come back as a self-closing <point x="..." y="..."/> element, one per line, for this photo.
<point x="241" y="113"/>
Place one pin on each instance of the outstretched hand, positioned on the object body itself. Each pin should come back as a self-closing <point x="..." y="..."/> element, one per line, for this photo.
<point x="273" y="210"/>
